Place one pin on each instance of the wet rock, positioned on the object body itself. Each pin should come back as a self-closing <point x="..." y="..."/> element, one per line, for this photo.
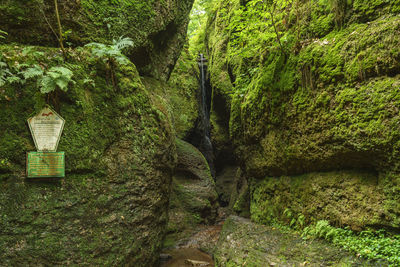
<point x="233" y="190"/>
<point x="185" y="257"/>
<point x="197" y="263"/>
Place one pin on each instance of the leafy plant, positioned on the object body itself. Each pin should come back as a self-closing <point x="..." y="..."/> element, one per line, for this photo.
<point x="34" y="71"/>
<point x="112" y="54"/>
<point x="295" y="222"/>
<point x="4" y="73"/>
<point x="55" y="77"/>
<point x="370" y="244"/>
<point x="3" y="34"/>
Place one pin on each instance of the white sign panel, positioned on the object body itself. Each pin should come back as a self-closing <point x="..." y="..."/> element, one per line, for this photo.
<point x="46" y="128"/>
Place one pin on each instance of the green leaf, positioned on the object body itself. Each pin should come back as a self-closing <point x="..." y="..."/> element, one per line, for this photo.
<point x="62" y="83"/>
<point x="13" y="79"/>
<point x="32" y="72"/>
<point x="122" y="43"/>
<point x="47" y="85"/>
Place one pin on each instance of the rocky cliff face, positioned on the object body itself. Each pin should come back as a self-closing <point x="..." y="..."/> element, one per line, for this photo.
<point x="316" y="92"/>
<point x="158" y="28"/>
<point x="111" y="209"/>
<point x="119" y="141"/>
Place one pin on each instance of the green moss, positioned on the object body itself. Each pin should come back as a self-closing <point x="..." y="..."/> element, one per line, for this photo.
<point x="108" y="20"/>
<point x="119" y="154"/>
<point x="326" y="104"/>
<point x="345" y="198"/>
<point x="157" y="28"/>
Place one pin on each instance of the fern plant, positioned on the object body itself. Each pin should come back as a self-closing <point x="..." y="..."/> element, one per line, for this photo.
<point x="4" y="73"/>
<point x="55" y="77"/>
<point x="112" y="55"/>
<point x="3" y="34"/>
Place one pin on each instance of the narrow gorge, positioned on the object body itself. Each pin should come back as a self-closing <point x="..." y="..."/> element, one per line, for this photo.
<point x="201" y="132"/>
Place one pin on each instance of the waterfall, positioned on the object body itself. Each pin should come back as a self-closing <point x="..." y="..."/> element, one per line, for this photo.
<point x="203" y="129"/>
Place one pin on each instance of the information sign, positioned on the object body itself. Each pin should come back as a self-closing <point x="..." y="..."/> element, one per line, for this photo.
<point x="45" y="164"/>
<point x="46" y="128"/>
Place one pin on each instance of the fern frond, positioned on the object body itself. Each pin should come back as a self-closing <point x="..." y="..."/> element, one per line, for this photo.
<point x="122" y="60"/>
<point x="62" y="83"/>
<point x="13" y="79"/>
<point x="122" y="43"/>
<point x="3" y="34"/>
<point x="32" y="72"/>
<point x="62" y="71"/>
<point x="2" y="81"/>
<point x="55" y="77"/>
<point x="46" y="85"/>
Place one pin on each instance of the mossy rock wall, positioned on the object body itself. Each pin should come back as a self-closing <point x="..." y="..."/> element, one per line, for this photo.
<point x="111" y="208"/>
<point x="178" y="97"/>
<point x="358" y="199"/>
<point x="157" y="27"/>
<point x="326" y="100"/>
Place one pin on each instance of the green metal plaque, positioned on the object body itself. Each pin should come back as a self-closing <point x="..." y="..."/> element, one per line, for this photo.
<point x="45" y="164"/>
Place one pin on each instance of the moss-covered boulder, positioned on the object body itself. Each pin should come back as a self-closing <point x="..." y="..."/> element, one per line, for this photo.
<point x="158" y="28"/>
<point x="111" y="208"/>
<point x="193" y="197"/>
<point x="243" y="243"/>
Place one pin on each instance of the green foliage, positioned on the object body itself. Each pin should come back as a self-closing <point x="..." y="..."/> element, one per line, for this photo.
<point x="112" y="54"/>
<point x="258" y="25"/>
<point x="370" y="244"/>
<point x="294" y="221"/>
<point x="32" y="72"/>
<point x="55" y="77"/>
<point x="198" y="16"/>
<point x="4" y="73"/>
<point x="3" y="34"/>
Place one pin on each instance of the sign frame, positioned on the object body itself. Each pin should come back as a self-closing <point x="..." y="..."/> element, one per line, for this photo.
<point x="33" y="133"/>
<point x="34" y="169"/>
